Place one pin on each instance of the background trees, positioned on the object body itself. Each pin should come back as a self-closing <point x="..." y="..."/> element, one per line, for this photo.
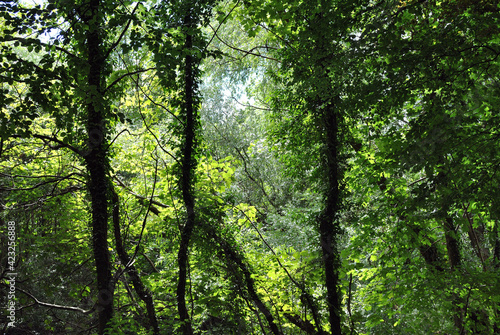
<point x="426" y="153"/>
<point x="261" y="167"/>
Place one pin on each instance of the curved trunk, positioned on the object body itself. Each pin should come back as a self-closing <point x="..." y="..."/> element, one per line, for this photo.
<point x="142" y="291"/>
<point x="232" y="255"/>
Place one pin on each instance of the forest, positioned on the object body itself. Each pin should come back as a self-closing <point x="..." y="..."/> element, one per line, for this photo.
<point x="267" y="167"/>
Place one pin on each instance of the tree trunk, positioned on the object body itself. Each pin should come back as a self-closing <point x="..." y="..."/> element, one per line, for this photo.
<point x="496" y="249"/>
<point x="477" y="239"/>
<point x="238" y="260"/>
<point x="304" y="325"/>
<point x="97" y="166"/>
<point x="455" y="260"/>
<point x="188" y="165"/>
<point x="496" y="262"/>
<point x="452" y="246"/>
<point x="329" y="226"/>
<point x="141" y="290"/>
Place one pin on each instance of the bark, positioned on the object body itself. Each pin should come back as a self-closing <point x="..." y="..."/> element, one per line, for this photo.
<point x="97" y="166"/>
<point x="431" y="256"/>
<point x="141" y="290"/>
<point x="455" y="261"/>
<point x="496" y="251"/>
<point x="452" y="246"/>
<point x="323" y="102"/>
<point x="188" y="164"/>
<point x="496" y="261"/>
<point x="235" y="258"/>
<point x="304" y="325"/>
<point x="328" y="224"/>
<point x="477" y="239"/>
<point x="429" y="253"/>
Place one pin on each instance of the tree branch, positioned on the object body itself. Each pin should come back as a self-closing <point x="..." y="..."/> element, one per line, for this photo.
<point x="31" y="41"/>
<point x="114" y="45"/>
<point x="307" y="295"/>
<point x="220" y="25"/>
<point x="57" y="180"/>
<point x="54" y="306"/>
<point x="60" y="143"/>
<point x="142" y="198"/>
<point x="241" y="50"/>
<point x="117" y="80"/>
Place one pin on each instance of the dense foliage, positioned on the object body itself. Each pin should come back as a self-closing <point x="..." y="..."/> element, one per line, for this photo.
<point x="250" y="167"/>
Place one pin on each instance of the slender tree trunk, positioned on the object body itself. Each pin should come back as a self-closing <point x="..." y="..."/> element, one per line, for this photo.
<point x="239" y="261"/>
<point x="328" y="224"/>
<point x="188" y="165"/>
<point x="141" y="290"/>
<point x="452" y="246"/>
<point x="98" y="192"/>
<point x="455" y="260"/>
<point x="325" y="103"/>
<point x="477" y="239"/>
<point x="496" y="250"/>
<point x="496" y="262"/>
<point x="97" y="166"/>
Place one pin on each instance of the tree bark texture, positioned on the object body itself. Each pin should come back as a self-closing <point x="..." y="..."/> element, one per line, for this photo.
<point x="97" y="165"/>
<point x="328" y="224"/>
<point x="452" y="245"/>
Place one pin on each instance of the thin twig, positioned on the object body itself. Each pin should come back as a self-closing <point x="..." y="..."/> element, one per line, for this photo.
<point x="114" y="45"/>
<point x="147" y="213"/>
<point x="117" y="80"/>
<point x="220" y="25"/>
<point x="241" y="50"/>
<point x="54" y="306"/>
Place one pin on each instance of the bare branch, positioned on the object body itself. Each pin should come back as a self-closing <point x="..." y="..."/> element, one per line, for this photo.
<point x="114" y="139"/>
<point x="246" y="52"/>
<point x="157" y="104"/>
<point x="54" y="306"/>
<point x="56" y="180"/>
<point x="140" y="197"/>
<point x="220" y="25"/>
<point x="147" y="213"/>
<point x="114" y="45"/>
<point x="250" y="106"/>
<point x="117" y="80"/>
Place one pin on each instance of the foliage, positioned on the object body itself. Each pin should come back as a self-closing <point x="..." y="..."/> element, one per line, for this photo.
<point x="284" y="167"/>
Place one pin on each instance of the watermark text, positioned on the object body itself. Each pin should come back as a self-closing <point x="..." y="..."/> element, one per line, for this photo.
<point x="11" y="274"/>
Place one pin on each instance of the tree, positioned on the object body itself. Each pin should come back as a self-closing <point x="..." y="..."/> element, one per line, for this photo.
<point x="428" y="64"/>
<point x="77" y="95"/>
<point x="311" y="128"/>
